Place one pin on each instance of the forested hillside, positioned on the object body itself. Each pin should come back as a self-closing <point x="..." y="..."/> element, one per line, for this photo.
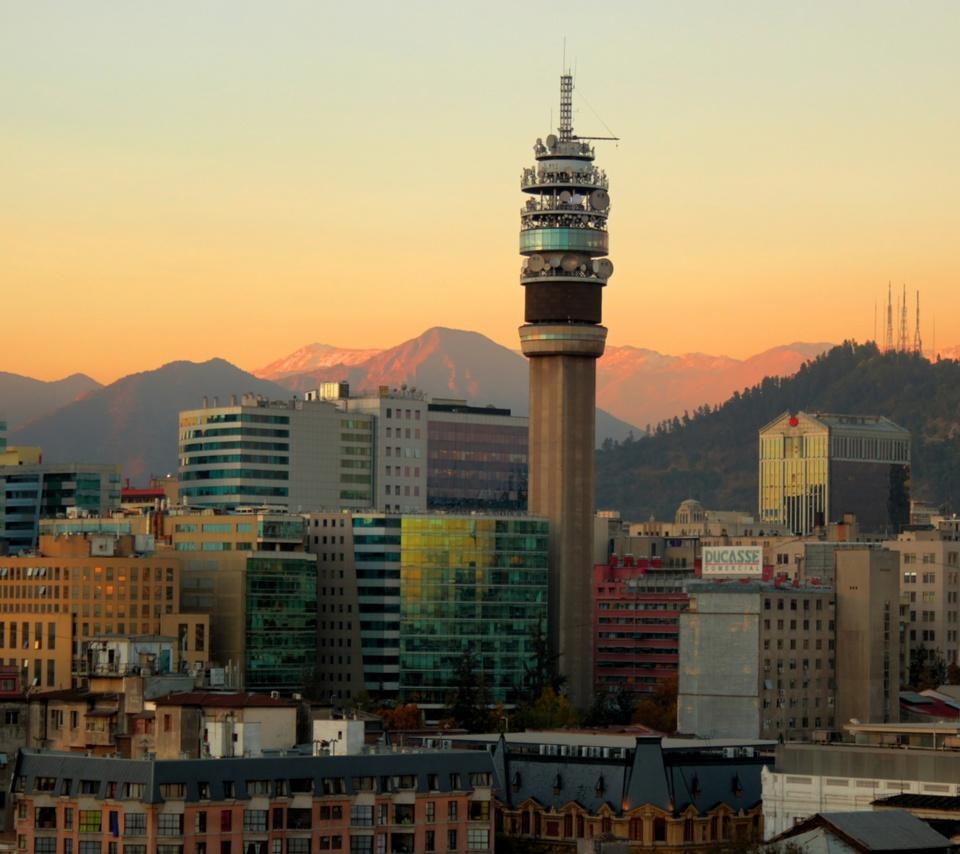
<point x="711" y="454"/>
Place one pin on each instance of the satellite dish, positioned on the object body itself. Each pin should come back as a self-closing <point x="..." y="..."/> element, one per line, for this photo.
<point x="565" y="196"/>
<point x="535" y="263"/>
<point x="570" y="263"/>
<point x="554" y="260"/>
<point x="599" y="200"/>
<point x="551" y="141"/>
<point x="603" y="267"/>
<point x="576" y="199"/>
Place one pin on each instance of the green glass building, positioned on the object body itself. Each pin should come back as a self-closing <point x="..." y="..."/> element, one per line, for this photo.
<point x="469" y="584"/>
<point x="281" y="620"/>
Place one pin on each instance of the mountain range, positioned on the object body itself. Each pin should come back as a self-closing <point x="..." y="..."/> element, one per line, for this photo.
<point x="133" y="421"/>
<point x="711" y="453"/>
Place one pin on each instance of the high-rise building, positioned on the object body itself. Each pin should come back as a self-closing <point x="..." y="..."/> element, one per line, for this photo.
<point x="420" y="590"/>
<point x="756" y="661"/>
<point x="815" y="469"/>
<point x="563" y="239"/>
<point x="299" y="455"/>
<point x="31" y="490"/>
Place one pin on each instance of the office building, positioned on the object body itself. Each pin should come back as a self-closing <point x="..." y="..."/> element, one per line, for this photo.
<point x="399" y="422"/>
<point x="867" y="642"/>
<point x="297" y="455"/>
<point x="406" y="594"/>
<point x="31" y="490"/>
<point x="476" y="458"/>
<point x="470" y="586"/>
<point x="564" y="241"/>
<point x="637" y="606"/>
<point x="930" y="585"/>
<point x="816" y="468"/>
<point x="78" y="588"/>
<point x="756" y="661"/>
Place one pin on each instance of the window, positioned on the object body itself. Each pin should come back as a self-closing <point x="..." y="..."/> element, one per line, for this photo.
<point x="255" y="821"/>
<point x="170" y="824"/>
<point x="451" y="810"/>
<point x="135" y="824"/>
<point x="431" y="812"/>
<point x="361" y="816"/>
<point x="429" y="841"/>
<point x="89" y="821"/>
<point x="226" y="821"/>
<point x="361" y="845"/>
<point x="478" y="838"/>
<point x="451" y="840"/>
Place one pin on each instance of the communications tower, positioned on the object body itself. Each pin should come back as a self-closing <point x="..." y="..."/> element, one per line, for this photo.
<point x="564" y="243"/>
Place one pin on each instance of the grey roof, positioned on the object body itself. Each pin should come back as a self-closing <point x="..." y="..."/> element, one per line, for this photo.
<point x="153" y="773"/>
<point x="884" y="830"/>
<point x="672" y="780"/>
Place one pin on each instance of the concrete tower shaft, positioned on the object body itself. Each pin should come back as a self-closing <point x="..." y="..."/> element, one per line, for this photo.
<point x="564" y="243"/>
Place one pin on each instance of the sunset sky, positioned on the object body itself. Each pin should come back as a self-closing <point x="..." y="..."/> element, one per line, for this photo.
<point x="184" y="180"/>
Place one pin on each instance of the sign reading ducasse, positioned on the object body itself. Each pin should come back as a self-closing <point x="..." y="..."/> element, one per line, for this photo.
<point x="731" y="560"/>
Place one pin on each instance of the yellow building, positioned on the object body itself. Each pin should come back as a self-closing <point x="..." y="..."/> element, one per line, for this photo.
<point x="77" y="588"/>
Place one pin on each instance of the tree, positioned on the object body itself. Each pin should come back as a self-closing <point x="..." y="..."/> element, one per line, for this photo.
<point x="404" y="717"/>
<point x="549" y="711"/>
<point x="927" y="668"/>
<point x="543" y="673"/>
<point x="469" y="707"/>
<point x="659" y="710"/>
<point x="611" y="709"/>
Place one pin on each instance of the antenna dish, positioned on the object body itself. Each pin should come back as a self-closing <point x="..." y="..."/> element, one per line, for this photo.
<point x="570" y="263"/>
<point x="554" y="260"/>
<point x="565" y="196"/>
<point x="535" y="263"/>
<point x="603" y="267"/>
<point x="599" y="200"/>
<point x="551" y="141"/>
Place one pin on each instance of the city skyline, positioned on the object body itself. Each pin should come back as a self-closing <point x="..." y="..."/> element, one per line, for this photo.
<point x="238" y="181"/>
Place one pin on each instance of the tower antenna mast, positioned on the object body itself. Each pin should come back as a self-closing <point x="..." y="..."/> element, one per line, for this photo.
<point x="917" y="343"/>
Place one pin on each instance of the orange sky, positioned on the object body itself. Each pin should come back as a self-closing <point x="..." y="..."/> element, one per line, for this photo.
<point x="184" y="181"/>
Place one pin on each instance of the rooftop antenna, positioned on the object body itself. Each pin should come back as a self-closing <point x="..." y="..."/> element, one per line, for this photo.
<point x="903" y="322"/>
<point x="917" y="344"/>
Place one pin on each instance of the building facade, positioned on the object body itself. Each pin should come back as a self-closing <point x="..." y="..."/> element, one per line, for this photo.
<point x="476" y="458"/>
<point x="402" y="803"/>
<point x="80" y="587"/>
<point x="815" y="468"/>
<point x="470" y="586"/>
<point x="299" y="455"/>
<point x="930" y="585"/>
<point x="637" y="607"/>
<point x="564" y="243"/>
<point x="32" y="491"/>
<point x="757" y="660"/>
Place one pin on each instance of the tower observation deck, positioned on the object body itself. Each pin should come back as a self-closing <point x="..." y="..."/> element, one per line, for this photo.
<point x="564" y="244"/>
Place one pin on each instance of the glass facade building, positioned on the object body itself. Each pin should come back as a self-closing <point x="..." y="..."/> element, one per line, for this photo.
<point x="476" y="459"/>
<point x="474" y="584"/>
<point x="280" y="595"/>
<point x="34" y="491"/>
<point x="376" y="542"/>
<point x="816" y="468"/>
<point x="300" y="455"/>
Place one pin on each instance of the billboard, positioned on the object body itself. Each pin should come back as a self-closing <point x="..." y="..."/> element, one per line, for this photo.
<point x="731" y="560"/>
